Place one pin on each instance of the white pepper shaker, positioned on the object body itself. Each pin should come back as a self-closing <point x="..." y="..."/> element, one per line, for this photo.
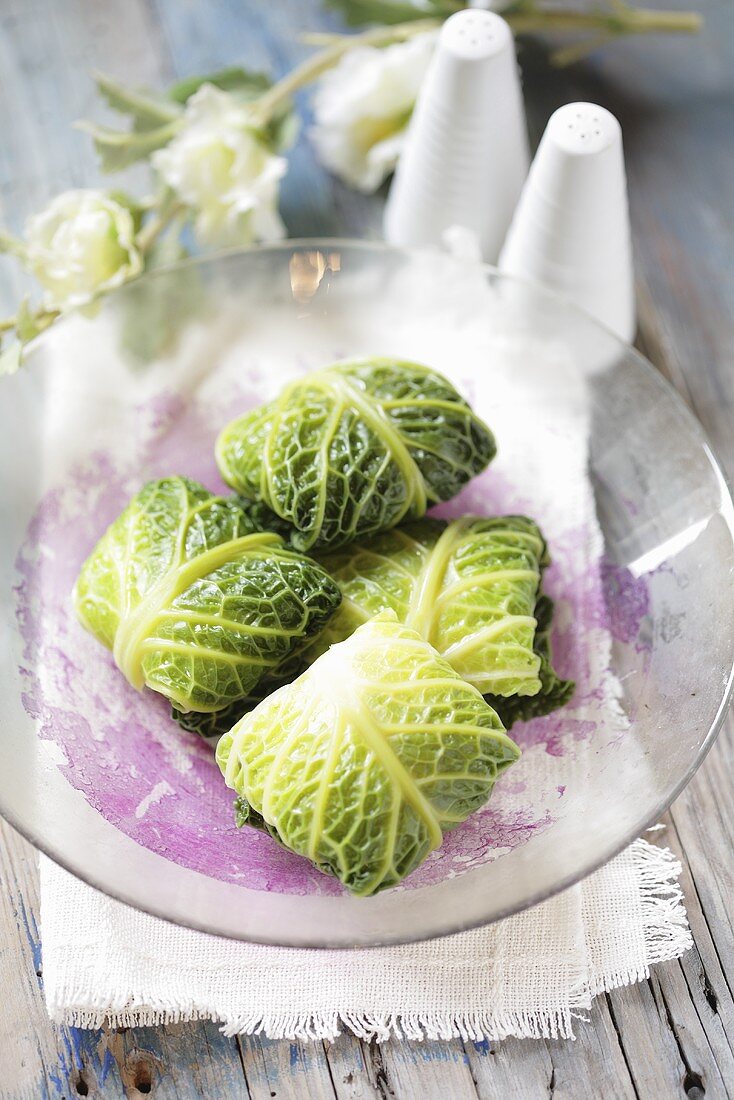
<point x="571" y="228"/>
<point x="466" y="152"/>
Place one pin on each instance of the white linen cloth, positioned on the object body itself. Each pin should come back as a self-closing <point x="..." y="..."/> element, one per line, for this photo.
<point x="529" y="976"/>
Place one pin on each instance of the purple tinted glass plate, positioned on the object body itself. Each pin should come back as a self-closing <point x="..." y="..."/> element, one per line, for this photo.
<point x="591" y="442"/>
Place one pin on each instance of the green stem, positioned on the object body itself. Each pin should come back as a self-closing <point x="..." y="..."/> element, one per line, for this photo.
<point x="314" y="66"/>
<point x="46" y="318"/>
<point x="11" y="245"/>
<point x="567" y="55"/>
<point x="156" y="225"/>
<point x="617" y="20"/>
<point x="43" y="319"/>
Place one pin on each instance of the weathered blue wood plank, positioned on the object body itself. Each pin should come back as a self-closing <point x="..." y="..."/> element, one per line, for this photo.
<point x="288" y="1070"/>
<point x="177" y="1062"/>
<point x="36" y="1058"/>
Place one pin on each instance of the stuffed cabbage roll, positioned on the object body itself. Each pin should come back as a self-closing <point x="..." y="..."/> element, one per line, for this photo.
<point x="554" y="691"/>
<point x="366" y="760"/>
<point x="193" y="601"/>
<point x="472" y="589"/>
<point x="354" y="449"/>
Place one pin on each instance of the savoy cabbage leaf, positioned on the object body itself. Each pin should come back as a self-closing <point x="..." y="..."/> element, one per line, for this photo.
<point x="354" y="449"/>
<point x="365" y="761"/>
<point x="554" y="692"/>
<point x="193" y="601"/>
<point x="211" y="724"/>
<point x="469" y="587"/>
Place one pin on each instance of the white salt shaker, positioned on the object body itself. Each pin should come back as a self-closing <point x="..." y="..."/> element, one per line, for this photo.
<point x="571" y="228"/>
<point x="466" y="153"/>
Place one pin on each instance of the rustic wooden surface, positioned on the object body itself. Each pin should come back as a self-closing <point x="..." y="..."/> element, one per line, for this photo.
<point x="672" y="1036"/>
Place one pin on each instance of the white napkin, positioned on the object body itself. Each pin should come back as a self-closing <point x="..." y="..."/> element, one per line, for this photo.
<point x="529" y="976"/>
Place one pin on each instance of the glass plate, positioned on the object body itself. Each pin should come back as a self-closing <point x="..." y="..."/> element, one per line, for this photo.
<point x="592" y="442"/>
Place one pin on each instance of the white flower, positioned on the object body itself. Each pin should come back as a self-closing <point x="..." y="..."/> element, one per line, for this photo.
<point x="362" y="108"/>
<point x="81" y="244"/>
<point x="220" y="166"/>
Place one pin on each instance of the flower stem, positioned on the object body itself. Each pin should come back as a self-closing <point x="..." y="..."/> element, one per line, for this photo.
<point x="156" y="225"/>
<point x="43" y="319"/>
<point x="605" y="23"/>
<point x="326" y="58"/>
<point x="13" y="246"/>
<point x="567" y="55"/>
<point x="46" y="318"/>
<point x="619" y="21"/>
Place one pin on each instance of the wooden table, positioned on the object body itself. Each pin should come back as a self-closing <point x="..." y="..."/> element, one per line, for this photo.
<point x="671" y="1036"/>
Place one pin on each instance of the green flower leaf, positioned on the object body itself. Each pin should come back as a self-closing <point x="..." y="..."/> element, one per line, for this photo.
<point x="147" y="110"/>
<point x="358" y="12"/>
<point x="11" y="358"/>
<point x="27" y="322"/>
<point x="12" y="245"/>
<point x="118" y="149"/>
<point x="282" y="130"/>
<point x="131" y="203"/>
<point x="245" y="83"/>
